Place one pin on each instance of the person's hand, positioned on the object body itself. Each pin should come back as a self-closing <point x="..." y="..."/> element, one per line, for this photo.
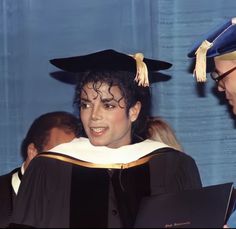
<point x="226" y="226"/>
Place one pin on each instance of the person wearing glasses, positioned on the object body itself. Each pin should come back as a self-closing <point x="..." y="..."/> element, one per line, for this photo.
<point x="219" y="44"/>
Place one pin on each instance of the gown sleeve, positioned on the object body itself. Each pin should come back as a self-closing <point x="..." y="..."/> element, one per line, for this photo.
<point x="188" y="176"/>
<point x="43" y="198"/>
<point x="173" y="171"/>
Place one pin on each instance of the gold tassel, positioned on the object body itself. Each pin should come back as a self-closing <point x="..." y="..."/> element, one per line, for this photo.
<point x="201" y="59"/>
<point x="142" y="72"/>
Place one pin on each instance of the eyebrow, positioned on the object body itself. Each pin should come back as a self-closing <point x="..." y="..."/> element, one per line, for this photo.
<point x="105" y="100"/>
<point x="85" y="100"/>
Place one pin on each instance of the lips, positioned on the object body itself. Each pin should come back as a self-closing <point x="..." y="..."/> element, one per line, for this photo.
<point x="98" y="131"/>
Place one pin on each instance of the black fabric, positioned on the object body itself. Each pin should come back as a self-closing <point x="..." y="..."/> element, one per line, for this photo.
<point x="130" y="186"/>
<point x="20" y="174"/>
<point x="61" y="193"/>
<point x="13" y="225"/>
<point x="232" y="205"/>
<point x="169" y="171"/>
<point x="106" y="60"/>
<point x="199" y="208"/>
<point x="43" y="199"/>
<point x="173" y="171"/>
<point x="6" y="198"/>
<point x="87" y="183"/>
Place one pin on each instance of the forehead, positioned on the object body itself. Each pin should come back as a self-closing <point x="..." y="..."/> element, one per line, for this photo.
<point x="103" y="89"/>
<point x="224" y="65"/>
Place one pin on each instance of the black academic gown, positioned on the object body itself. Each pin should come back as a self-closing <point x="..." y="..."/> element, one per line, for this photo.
<point x="7" y="196"/>
<point x="64" y="195"/>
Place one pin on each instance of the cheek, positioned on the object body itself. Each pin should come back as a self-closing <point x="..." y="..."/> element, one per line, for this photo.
<point x="84" y="116"/>
<point x="118" y="118"/>
<point x="231" y="90"/>
<point x="230" y="85"/>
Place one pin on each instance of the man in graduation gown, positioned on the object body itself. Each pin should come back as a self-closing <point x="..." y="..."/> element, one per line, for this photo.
<point x="100" y="180"/>
<point x="68" y="191"/>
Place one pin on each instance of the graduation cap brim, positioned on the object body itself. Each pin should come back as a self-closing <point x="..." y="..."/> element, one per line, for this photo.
<point x="223" y="39"/>
<point x="73" y="79"/>
<point x="106" y="60"/>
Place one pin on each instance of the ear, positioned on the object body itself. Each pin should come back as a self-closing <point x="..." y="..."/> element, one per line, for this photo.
<point x="31" y="151"/>
<point x="134" y="111"/>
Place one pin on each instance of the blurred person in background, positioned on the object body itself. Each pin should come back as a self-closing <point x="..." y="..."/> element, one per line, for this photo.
<point x="46" y="132"/>
<point x="160" y="130"/>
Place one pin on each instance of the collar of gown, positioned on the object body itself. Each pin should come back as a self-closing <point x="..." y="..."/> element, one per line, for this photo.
<point x="16" y="179"/>
<point x="82" y="149"/>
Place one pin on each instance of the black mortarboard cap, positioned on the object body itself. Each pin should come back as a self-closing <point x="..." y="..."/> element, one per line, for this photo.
<point x="111" y="60"/>
<point x="219" y="43"/>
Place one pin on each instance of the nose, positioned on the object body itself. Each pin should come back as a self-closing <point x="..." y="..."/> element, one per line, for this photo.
<point x="96" y="113"/>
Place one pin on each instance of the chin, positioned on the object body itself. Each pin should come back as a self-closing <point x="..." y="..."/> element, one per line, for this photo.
<point x="97" y="143"/>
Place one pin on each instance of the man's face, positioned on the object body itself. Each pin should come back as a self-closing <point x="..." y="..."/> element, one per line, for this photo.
<point x="104" y="116"/>
<point x="227" y="84"/>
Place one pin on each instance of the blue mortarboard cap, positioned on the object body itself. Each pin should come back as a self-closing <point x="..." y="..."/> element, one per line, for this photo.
<point x="219" y="43"/>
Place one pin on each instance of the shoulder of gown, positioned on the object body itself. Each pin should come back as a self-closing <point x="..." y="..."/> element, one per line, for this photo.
<point x="172" y="171"/>
<point x="44" y="183"/>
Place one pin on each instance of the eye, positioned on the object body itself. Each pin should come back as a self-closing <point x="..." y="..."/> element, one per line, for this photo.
<point x="85" y="105"/>
<point x="109" y="106"/>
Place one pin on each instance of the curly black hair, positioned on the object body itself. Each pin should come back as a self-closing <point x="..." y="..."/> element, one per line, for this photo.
<point x="130" y="92"/>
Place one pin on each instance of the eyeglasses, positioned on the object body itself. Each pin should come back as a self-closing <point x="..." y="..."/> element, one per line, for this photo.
<point x="217" y="77"/>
